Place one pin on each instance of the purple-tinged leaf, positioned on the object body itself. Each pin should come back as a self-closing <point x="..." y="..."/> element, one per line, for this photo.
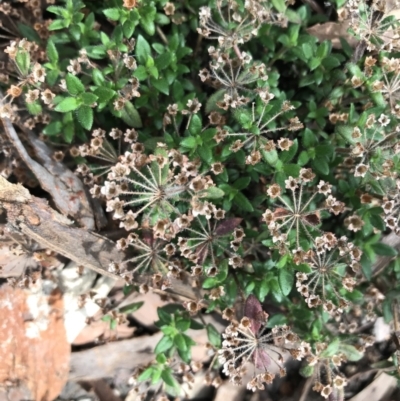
<point x="148" y="237"/>
<point x="253" y="310"/>
<point x="227" y="226"/>
<point x="261" y="359"/>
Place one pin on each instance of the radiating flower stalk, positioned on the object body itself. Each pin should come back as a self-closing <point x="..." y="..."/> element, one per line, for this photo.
<point x="298" y="215"/>
<point x="334" y="264"/>
<point x="256" y="135"/>
<point x="372" y="23"/>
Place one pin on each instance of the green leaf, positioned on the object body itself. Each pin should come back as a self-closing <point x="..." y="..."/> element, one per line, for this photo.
<point x="88" y="98"/>
<point x="307" y="371"/>
<point x="309" y="138"/>
<point x="210" y="282"/>
<point x="323" y="49"/>
<point x="156" y="375"/>
<point x="67" y="104"/>
<point x="34" y="108"/>
<point x="189" y="142"/>
<point x="263" y="289"/>
<point x="279" y="5"/>
<point x="61" y="11"/>
<point x="147" y="16"/>
<point x="213" y="336"/>
<point x="179" y="342"/>
<point x="366" y="266"/>
<point x="29" y="33"/>
<point x="128" y="28"/>
<point x="112" y="13"/>
<point x="98" y="78"/>
<point x="321" y="165"/>
<point x="314" y="63"/>
<point x="213" y="193"/>
<point x="185" y="354"/>
<point x="270" y="157"/>
<point x="148" y="25"/>
<point x="307" y="50"/>
<point x="58" y="24"/>
<point x="104" y="94"/>
<point x="303" y="267"/>
<point x="168" y="378"/>
<point x="383" y="249"/>
<point x="242" y="183"/>
<point x="347" y="49"/>
<point x="141" y="73"/>
<point x="292" y="169"/>
<point x="52" y="52"/>
<point x="161" y="359"/>
<point x="195" y="125"/>
<point x="146" y="374"/>
<point x="68" y="133"/>
<point x="74" y="84"/>
<point x="332" y="349"/>
<point x="131" y="116"/>
<point x="131" y="307"/>
<point x="161" y="84"/>
<point x="196" y="325"/>
<point x="377" y="222"/>
<point x="242" y="202"/>
<point x="286" y="279"/>
<point x="143" y="50"/>
<point x="164" y="316"/>
<point x="351" y="352"/>
<point x="23" y="61"/>
<point x="287" y="155"/>
<point x="54" y="128"/>
<point x="205" y="153"/>
<point x="85" y="117"/>
<point x="164" y="345"/>
<point x="182" y="324"/>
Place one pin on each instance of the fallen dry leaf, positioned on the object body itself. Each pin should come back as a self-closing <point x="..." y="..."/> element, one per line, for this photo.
<point x="333" y="31"/>
<point x="34" y="353"/>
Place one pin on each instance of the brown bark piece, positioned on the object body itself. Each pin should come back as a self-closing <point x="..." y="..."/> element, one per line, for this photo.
<point x="112" y="359"/>
<point x="65" y="188"/>
<point x="379" y="390"/>
<point x="34" y="353"/>
<point x="95" y="330"/>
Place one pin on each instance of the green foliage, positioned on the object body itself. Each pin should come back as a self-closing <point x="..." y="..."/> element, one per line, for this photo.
<point x="273" y="174"/>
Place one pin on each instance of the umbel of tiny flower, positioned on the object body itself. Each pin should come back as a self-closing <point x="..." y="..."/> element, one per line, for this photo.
<point x="385" y="79"/>
<point x="151" y="186"/>
<point x="107" y="152"/>
<point x="371" y="22"/>
<point x="150" y="253"/>
<point x="233" y="77"/>
<point x="202" y="240"/>
<point x="296" y="214"/>
<point x="334" y="263"/>
<point x="374" y="147"/>
<point x="237" y="25"/>
<point x="249" y="341"/>
<point x="329" y="381"/>
<point x="255" y="135"/>
<point x="391" y="208"/>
